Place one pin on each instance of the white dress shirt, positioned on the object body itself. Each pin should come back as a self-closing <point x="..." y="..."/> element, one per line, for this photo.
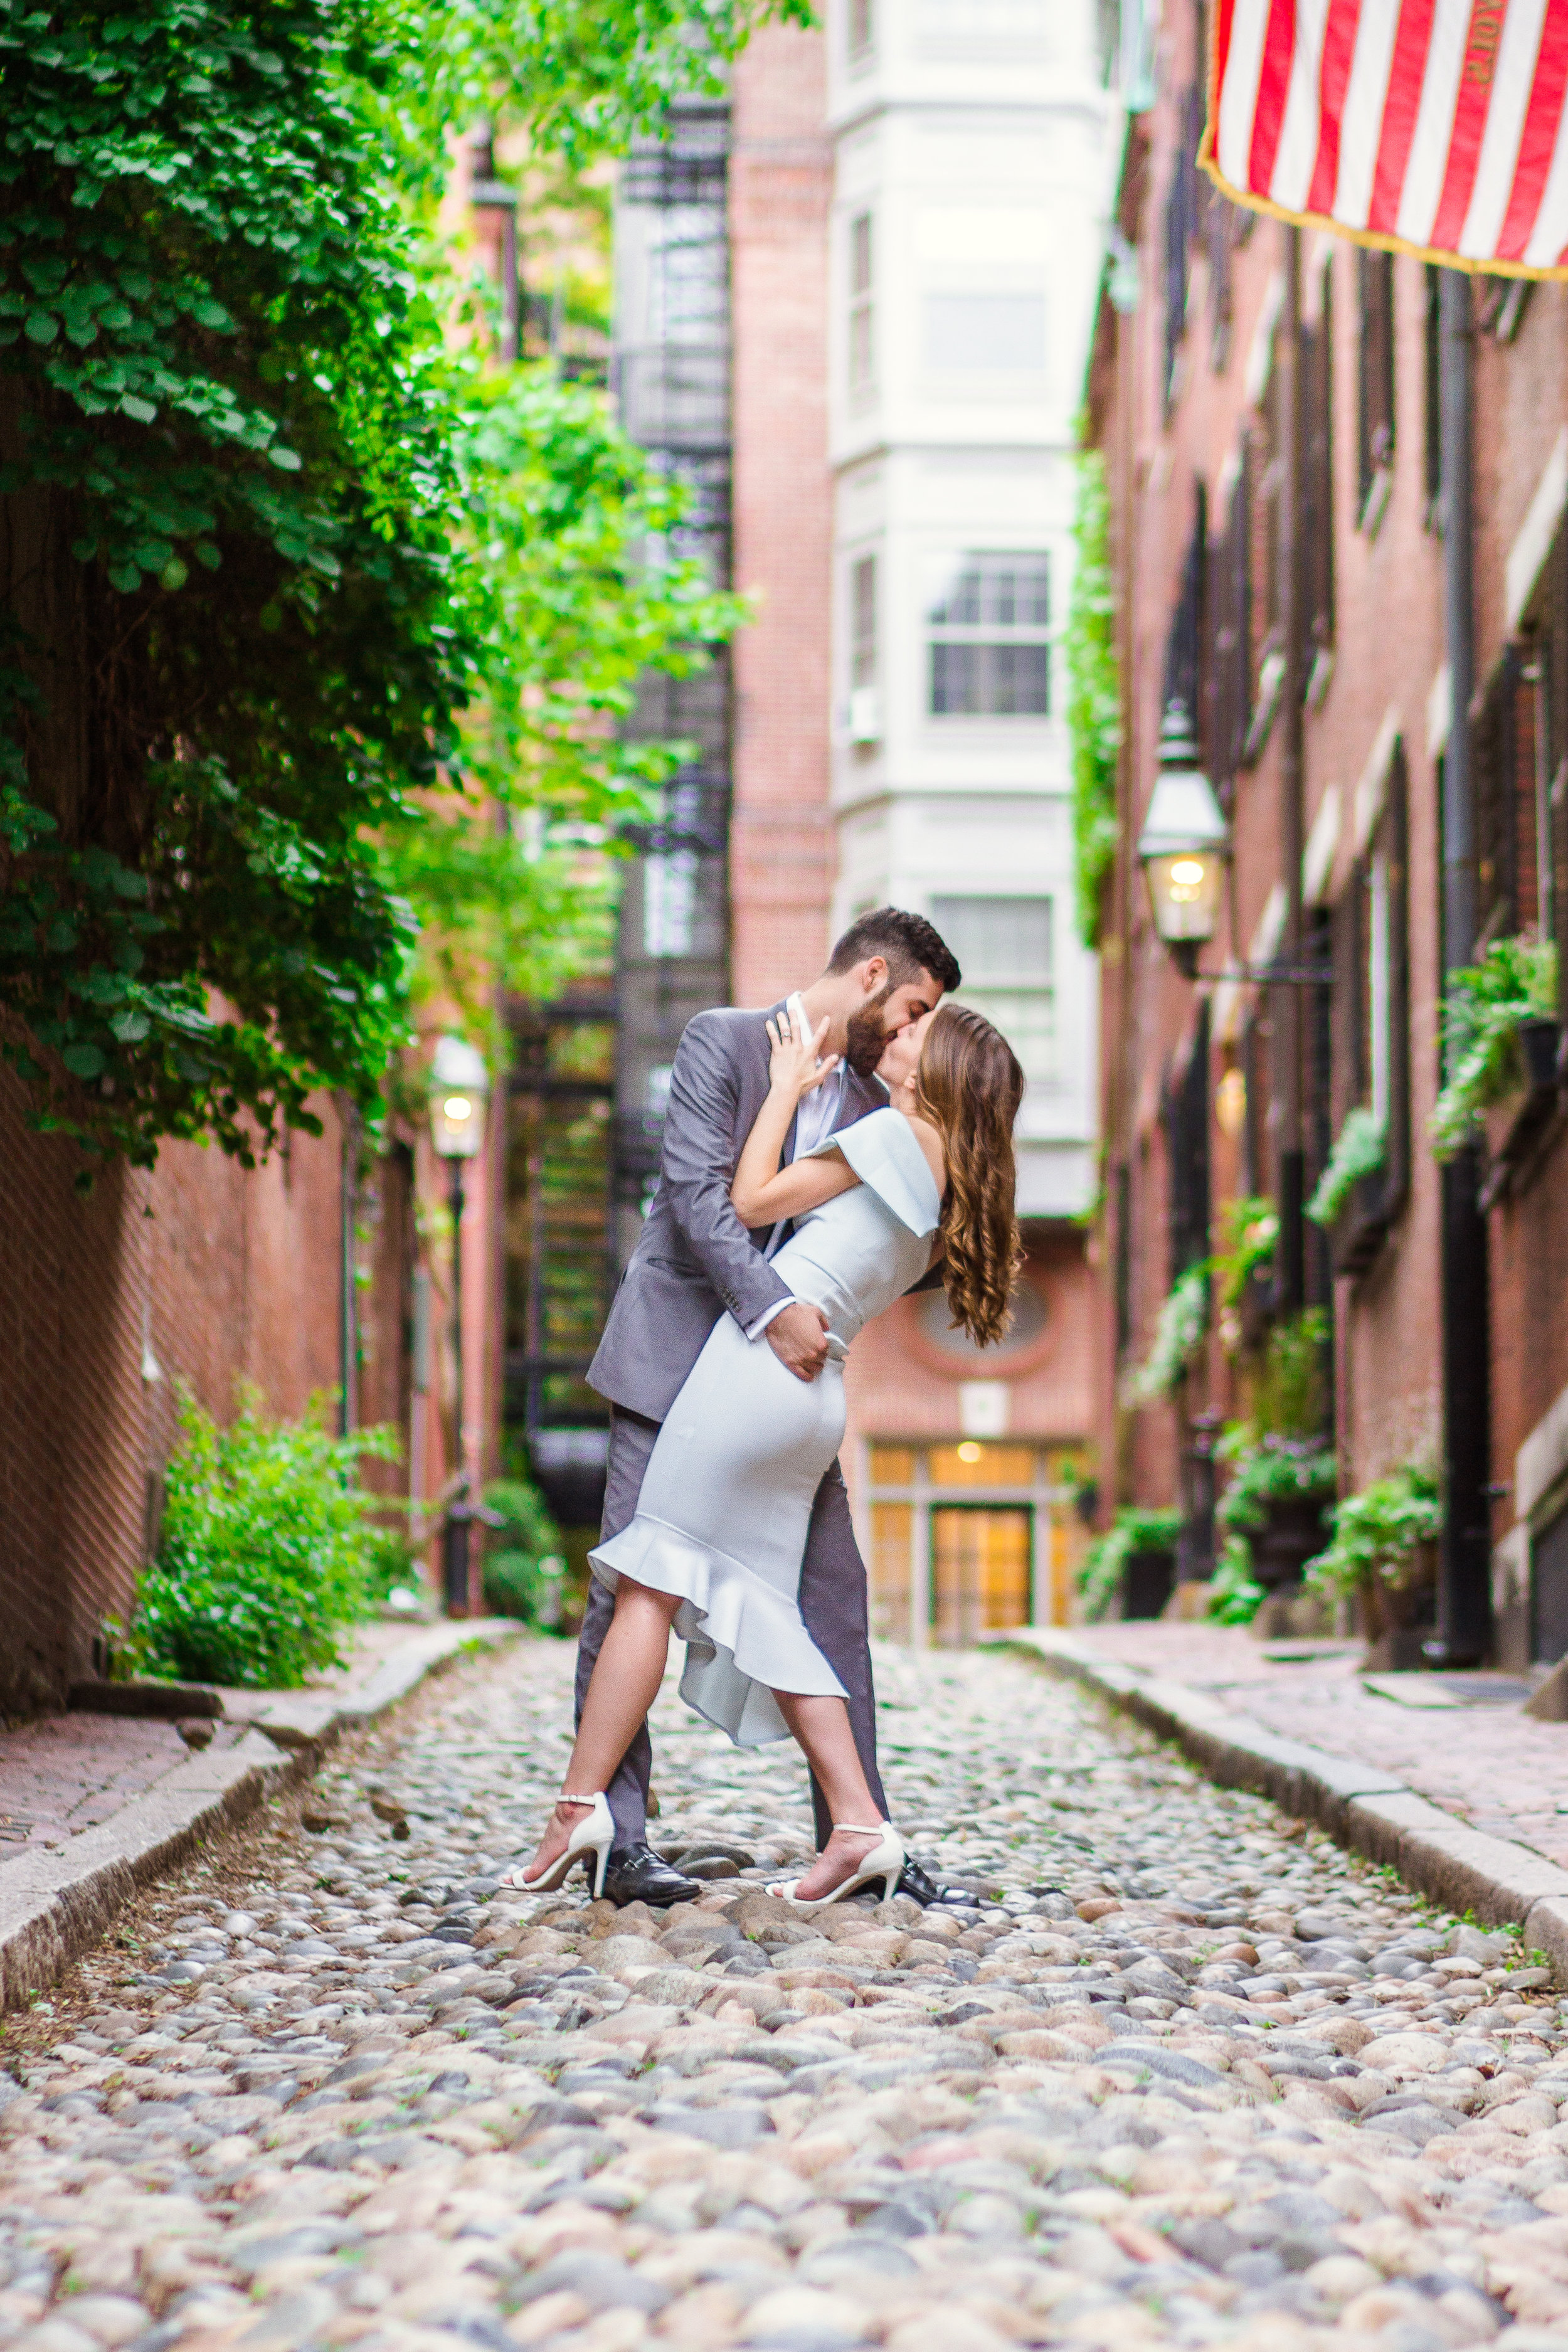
<point x="813" y="1122"/>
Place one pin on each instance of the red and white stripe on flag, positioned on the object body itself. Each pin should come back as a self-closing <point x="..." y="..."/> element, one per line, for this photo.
<point x="1434" y="125"/>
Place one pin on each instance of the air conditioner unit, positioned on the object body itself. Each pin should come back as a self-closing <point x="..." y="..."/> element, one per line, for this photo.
<point x="865" y="715"/>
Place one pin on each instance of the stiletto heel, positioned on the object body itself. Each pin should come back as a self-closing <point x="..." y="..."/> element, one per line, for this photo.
<point x="885" y="1861"/>
<point x="592" y="1837"/>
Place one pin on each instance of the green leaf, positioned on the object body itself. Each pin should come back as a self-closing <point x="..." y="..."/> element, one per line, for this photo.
<point x="42" y="327"/>
<point x="84" y="1061"/>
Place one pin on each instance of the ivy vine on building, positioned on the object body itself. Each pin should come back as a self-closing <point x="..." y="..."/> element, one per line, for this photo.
<point x="295" y="586"/>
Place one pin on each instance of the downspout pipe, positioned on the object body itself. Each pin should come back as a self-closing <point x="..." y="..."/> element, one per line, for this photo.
<point x="1464" y="1573"/>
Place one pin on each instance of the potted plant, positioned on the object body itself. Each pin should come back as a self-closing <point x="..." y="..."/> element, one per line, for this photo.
<point x="1134" y="1560"/>
<point x="1500" y="1050"/>
<point x="1383" y="1555"/>
<point x="1242" y="1267"/>
<point x="1282" y="1476"/>
<point x="1350" y="1197"/>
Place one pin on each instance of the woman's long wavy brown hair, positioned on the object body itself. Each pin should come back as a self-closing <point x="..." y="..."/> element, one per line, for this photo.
<point x="969" y="1085"/>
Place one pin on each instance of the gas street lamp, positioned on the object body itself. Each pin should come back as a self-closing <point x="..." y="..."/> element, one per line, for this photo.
<point x="1183" y="846"/>
<point x="459" y="1091"/>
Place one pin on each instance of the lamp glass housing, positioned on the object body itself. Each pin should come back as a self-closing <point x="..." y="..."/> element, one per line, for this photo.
<point x="1184" y="846"/>
<point x="1184" y="890"/>
<point x="459" y="1090"/>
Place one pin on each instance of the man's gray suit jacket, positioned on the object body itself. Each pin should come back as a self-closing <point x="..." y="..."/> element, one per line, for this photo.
<point x="694" y="1259"/>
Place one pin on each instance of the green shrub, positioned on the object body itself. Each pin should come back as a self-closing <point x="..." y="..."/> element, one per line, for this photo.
<point x="1515" y="981"/>
<point x="524" y="1569"/>
<point x="1105" y="1562"/>
<point x="1378" y="1533"/>
<point x="268" y="1550"/>
<point x="1234" y="1597"/>
<point x="1360" y="1149"/>
<point x="1277" y="1456"/>
<point x="1178" y="1335"/>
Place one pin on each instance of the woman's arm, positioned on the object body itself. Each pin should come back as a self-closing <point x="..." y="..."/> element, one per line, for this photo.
<point x="763" y="1192"/>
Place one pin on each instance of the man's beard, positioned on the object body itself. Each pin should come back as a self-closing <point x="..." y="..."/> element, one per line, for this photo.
<point x="866" y="1039"/>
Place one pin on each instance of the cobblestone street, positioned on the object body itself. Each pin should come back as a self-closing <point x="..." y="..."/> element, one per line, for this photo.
<point x="1198" y="2077"/>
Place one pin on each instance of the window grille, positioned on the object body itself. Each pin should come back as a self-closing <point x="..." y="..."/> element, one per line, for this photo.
<point x="989" y="631"/>
<point x="1370" y="949"/>
<point x="1004" y="947"/>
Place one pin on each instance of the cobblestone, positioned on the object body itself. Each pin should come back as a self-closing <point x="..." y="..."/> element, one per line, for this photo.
<point x="1182" y="2073"/>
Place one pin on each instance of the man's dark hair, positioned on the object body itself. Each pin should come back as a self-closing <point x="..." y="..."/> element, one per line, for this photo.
<point x="909" y="944"/>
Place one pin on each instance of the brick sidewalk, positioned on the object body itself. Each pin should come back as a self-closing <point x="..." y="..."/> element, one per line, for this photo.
<point x="1488" y="1762"/>
<point x="67" y="1773"/>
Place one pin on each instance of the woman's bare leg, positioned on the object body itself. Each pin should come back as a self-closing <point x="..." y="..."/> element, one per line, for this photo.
<point x="627" y="1677"/>
<point x="821" y="1726"/>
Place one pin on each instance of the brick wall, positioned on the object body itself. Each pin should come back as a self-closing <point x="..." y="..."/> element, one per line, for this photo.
<point x="1388" y="651"/>
<point x="781" y="863"/>
<point x="197" y="1273"/>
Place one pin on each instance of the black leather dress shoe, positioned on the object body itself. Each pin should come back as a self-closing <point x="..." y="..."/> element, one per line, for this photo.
<point x="637" y="1875"/>
<point x="924" y="1888"/>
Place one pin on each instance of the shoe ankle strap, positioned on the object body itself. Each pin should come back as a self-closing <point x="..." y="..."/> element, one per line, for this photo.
<point x="862" y="1828"/>
<point x="566" y="1798"/>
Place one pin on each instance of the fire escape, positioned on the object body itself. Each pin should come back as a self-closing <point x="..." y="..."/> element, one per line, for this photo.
<point x="590" y="1074"/>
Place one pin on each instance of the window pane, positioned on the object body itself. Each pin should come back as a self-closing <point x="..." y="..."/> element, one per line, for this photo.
<point x="998" y="940"/>
<point x="893" y="1465"/>
<point x="1026" y="1018"/>
<point x="892" y="1529"/>
<point x="863" y="638"/>
<point x="860" y="254"/>
<point x="972" y="1465"/>
<point x="980" y="1573"/>
<point x="985" y="335"/>
<point x="954" y="679"/>
<point x="1020" y="680"/>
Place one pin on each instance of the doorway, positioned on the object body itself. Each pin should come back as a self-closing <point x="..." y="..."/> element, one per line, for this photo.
<point x="980" y="1560"/>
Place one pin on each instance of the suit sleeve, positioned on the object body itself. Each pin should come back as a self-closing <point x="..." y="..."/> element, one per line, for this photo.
<point x="697" y="1166"/>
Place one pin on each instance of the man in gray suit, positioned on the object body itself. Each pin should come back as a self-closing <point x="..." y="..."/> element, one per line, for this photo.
<point x="694" y="1261"/>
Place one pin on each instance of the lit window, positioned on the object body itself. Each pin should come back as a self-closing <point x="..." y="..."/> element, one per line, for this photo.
<point x="990" y="639"/>
<point x="1004" y="949"/>
<point x="860" y="303"/>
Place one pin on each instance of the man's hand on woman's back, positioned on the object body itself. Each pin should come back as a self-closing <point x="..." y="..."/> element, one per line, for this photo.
<point x="798" y="1337"/>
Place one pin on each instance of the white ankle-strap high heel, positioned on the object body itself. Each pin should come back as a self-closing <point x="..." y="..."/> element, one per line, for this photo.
<point x="594" y="1837"/>
<point x="885" y="1861"/>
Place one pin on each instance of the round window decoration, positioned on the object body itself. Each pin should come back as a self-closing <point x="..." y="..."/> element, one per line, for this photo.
<point x="937" y="1327"/>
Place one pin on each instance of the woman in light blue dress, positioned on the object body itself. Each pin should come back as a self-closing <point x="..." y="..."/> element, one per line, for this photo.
<point x="719" y="1533"/>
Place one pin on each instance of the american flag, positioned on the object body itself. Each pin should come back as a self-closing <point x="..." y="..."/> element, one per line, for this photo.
<point x="1436" y="126"/>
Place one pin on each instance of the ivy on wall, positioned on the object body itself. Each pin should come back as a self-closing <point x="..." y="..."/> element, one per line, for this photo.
<point x="1094" y="695"/>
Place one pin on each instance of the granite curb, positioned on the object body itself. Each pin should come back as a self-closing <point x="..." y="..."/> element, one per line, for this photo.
<point x="57" y="1901"/>
<point x="1361" y="1806"/>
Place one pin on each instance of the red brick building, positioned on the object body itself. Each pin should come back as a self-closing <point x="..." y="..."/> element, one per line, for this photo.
<point x="1290" y="522"/>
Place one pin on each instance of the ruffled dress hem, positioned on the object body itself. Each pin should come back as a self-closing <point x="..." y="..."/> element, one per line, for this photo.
<point x="744" y="1638"/>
